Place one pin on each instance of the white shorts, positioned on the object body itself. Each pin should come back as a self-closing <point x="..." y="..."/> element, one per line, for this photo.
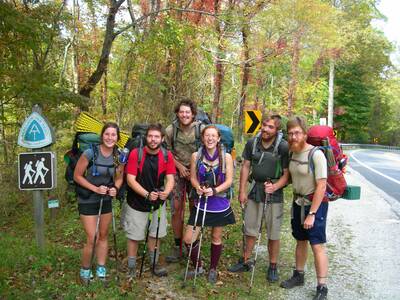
<point x="135" y="223"/>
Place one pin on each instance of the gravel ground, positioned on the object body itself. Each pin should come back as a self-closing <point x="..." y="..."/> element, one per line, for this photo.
<point x="363" y="246"/>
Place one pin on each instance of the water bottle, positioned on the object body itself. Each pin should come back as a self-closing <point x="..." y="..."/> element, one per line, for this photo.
<point x="123" y="156"/>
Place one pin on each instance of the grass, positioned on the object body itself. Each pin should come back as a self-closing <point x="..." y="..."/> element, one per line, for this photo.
<point x="28" y="273"/>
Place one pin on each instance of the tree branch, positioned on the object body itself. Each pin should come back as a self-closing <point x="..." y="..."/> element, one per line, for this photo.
<point x="144" y="17"/>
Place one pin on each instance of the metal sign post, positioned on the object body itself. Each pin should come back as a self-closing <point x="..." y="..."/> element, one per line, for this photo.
<point x="36" y="169"/>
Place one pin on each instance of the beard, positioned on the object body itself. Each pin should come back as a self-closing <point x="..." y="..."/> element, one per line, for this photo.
<point x="152" y="147"/>
<point x="297" y="146"/>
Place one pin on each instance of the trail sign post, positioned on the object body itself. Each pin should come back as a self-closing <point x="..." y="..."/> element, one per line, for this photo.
<point x="38" y="168"/>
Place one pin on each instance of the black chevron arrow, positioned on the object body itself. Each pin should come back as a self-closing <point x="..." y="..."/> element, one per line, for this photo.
<point x="255" y="123"/>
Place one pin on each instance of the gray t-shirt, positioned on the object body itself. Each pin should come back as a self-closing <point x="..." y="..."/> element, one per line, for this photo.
<point x="99" y="172"/>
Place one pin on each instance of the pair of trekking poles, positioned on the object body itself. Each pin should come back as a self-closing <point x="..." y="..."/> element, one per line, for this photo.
<point x="147" y="238"/>
<point x="96" y="237"/>
<point x="266" y="202"/>
<point x="200" y="240"/>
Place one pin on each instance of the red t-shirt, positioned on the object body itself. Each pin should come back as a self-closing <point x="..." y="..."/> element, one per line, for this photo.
<point x="150" y="174"/>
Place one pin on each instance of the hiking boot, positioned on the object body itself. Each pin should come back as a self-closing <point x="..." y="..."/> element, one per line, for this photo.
<point x="241" y="266"/>
<point x="101" y="273"/>
<point x="272" y="274"/>
<point x="85" y="275"/>
<point x="175" y="255"/>
<point x="297" y="279"/>
<point x="190" y="274"/>
<point x="322" y="293"/>
<point x="212" y="276"/>
<point x="159" y="271"/>
<point x="131" y="274"/>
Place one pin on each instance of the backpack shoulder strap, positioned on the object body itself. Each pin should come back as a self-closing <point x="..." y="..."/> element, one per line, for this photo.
<point x="174" y="133"/>
<point x="223" y="152"/>
<point x="255" y="141"/>
<point x="310" y="159"/>
<point x="278" y="141"/>
<point x="197" y="133"/>
<point x="165" y="154"/>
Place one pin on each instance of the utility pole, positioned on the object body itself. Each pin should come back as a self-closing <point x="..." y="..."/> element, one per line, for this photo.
<point x="330" y="97"/>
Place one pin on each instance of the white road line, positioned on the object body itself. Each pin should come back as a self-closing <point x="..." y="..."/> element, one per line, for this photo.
<point x="371" y="169"/>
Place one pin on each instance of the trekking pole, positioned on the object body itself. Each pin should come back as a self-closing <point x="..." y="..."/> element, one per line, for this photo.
<point x="191" y="241"/>
<point x="95" y="234"/>
<point x="115" y="241"/>
<point x="156" y="246"/>
<point x="243" y="229"/>
<point x="267" y="199"/>
<point x="145" y="243"/>
<point x="183" y="219"/>
<point x="201" y="237"/>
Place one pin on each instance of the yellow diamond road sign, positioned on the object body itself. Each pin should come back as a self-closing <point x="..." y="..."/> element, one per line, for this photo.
<point x="252" y="121"/>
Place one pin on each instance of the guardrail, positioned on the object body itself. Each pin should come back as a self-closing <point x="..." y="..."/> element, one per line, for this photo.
<point x="370" y="146"/>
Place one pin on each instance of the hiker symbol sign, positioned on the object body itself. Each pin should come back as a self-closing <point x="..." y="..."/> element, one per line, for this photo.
<point x="36" y="171"/>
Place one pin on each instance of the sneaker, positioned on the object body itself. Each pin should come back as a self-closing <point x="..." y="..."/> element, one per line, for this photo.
<point x="190" y="274"/>
<point x="297" y="279"/>
<point x="241" y="266"/>
<point x="212" y="276"/>
<point x="272" y="274"/>
<point x="322" y="293"/>
<point x="159" y="271"/>
<point x="175" y="255"/>
<point x="101" y="272"/>
<point x="85" y="276"/>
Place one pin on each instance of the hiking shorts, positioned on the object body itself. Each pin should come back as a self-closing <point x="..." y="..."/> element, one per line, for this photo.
<point x="92" y="209"/>
<point x="182" y="185"/>
<point x="316" y="234"/>
<point x="273" y="219"/>
<point x="135" y="223"/>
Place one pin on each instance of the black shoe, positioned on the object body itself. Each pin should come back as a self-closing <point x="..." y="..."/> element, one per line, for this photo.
<point x="241" y="266"/>
<point x="297" y="279"/>
<point x="322" y="293"/>
<point x="159" y="271"/>
<point x="272" y="274"/>
<point x="175" y="255"/>
<point x="212" y="276"/>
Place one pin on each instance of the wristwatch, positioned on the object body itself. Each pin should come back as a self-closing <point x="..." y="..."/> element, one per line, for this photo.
<point x="311" y="213"/>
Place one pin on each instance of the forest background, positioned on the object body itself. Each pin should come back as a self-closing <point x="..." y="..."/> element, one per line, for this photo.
<point x="130" y="61"/>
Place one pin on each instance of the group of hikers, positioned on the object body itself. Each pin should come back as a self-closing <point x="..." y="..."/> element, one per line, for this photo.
<point x="203" y="177"/>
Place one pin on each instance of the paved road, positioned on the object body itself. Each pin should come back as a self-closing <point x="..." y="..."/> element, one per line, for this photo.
<point x="380" y="168"/>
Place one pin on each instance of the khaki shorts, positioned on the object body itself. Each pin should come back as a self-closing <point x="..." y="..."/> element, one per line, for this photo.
<point x="273" y="219"/>
<point x="135" y="223"/>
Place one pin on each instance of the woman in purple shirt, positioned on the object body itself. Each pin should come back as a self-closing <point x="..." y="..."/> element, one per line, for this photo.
<point x="211" y="172"/>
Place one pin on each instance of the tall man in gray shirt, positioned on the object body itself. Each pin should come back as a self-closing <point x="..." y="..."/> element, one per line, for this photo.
<point x="266" y="157"/>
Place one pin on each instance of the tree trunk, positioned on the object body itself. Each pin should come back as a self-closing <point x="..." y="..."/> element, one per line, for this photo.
<point x="245" y="80"/>
<point x="219" y="69"/>
<point x="105" y="53"/>
<point x="104" y="94"/>
<point x="3" y="134"/>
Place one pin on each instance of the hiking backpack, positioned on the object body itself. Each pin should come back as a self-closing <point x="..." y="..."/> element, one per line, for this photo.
<point x="323" y="138"/>
<point x="82" y="142"/>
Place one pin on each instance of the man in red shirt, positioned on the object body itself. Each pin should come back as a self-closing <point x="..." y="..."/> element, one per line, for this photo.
<point x="147" y="170"/>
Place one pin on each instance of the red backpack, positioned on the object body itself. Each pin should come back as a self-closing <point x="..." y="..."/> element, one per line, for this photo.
<point x="323" y="137"/>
